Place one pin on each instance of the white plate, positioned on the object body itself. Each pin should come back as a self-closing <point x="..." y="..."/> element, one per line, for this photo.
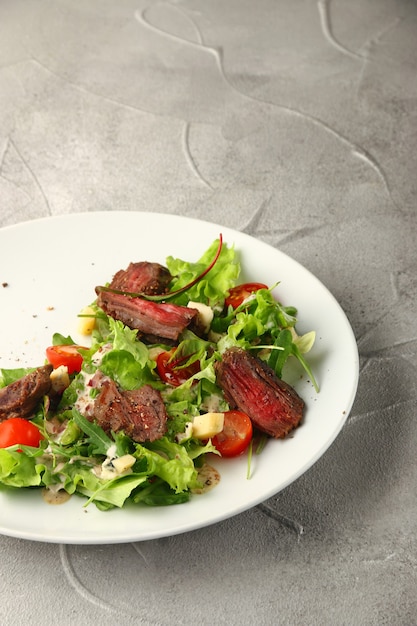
<point x="51" y="267"/>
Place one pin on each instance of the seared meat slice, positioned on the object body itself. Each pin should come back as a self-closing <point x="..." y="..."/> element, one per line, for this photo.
<point x="153" y="320"/>
<point x="20" y="399"/>
<point x="142" y="277"/>
<point x="252" y="386"/>
<point x="139" y="413"/>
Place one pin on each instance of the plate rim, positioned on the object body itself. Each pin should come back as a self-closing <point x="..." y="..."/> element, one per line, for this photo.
<point x="137" y="214"/>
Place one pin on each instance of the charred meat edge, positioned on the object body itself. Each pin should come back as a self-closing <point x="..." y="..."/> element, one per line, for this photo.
<point x="140" y="413"/>
<point x="251" y="386"/>
<point x="21" y="398"/>
<point x="153" y="320"/>
<point x="142" y="277"/>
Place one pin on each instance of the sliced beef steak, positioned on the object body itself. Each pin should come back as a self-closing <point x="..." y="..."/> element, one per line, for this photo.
<point x="252" y="386"/>
<point x="20" y="399"/>
<point x="142" y="277"/>
<point x="139" y="413"/>
<point x="153" y="320"/>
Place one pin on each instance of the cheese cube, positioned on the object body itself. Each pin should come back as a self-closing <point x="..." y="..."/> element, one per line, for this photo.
<point x="60" y="379"/>
<point x="87" y="321"/>
<point x="207" y="425"/>
<point x="205" y="314"/>
<point x="123" y="463"/>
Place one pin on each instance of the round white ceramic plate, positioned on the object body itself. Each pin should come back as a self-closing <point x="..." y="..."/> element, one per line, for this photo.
<point x="48" y="271"/>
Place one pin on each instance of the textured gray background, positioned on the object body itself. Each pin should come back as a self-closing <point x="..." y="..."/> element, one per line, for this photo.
<point x="291" y="120"/>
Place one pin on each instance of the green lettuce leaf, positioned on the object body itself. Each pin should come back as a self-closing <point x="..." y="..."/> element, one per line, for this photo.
<point x="8" y="376"/>
<point x="211" y="289"/>
<point x="20" y="469"/>
<point x="171" y="462"/>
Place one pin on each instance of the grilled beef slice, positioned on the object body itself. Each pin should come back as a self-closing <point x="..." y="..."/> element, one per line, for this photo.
<point x="252" y="386"/>
<point x="142" y="277"/>
<point x="153" y="320"/>
<point x="20" y="399"/>
<point x="139" y="413"/>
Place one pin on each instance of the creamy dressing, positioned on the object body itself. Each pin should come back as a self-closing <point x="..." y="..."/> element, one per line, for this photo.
<point x="188" y="432"/>
<point x="209" y="477"/>
<point x="84" y="402"/>
<point x="97" y="357"/>
<point x="55" y="497"/>
<point x="212" y="404"/>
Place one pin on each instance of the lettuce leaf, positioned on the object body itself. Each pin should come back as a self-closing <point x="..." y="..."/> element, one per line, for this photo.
<point x="127" y="362"/>
<point x="213" y="288"/>
<point x="19" y="469"/>
<point x="8" y="376"/>
<point x="169" y="461"/>
<point x="164" y="471"/>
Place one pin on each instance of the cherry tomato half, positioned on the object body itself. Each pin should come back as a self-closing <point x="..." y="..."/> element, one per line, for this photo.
<point x="236" y="434"/>
<point x="239" y="293"/>
<point x="17" y="430"/>
<point x="171" y="372"/>
<point x="65" y="355"/>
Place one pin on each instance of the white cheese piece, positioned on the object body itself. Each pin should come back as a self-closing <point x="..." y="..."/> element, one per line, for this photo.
<point x="205" y="313"/>
<point x="123" y="463"/>
<point x="107" y="471"/>
<point x="111" y="452"/>
<point x="113" y="466"/>
<point x="207" y="425"/>
<point x="60" y="379"/>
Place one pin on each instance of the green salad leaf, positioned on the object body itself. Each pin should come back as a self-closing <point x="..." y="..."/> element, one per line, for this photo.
<point x="78" y="456"/>
<point x="212" y="289"/>
<point x="8" y="376"/>
<point x="18" y="467"/>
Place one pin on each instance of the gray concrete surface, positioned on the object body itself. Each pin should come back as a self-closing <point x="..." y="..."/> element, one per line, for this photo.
<point x="296" y="123"/>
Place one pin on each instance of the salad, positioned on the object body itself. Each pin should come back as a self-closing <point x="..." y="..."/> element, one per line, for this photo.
<point x="69" y="444"/>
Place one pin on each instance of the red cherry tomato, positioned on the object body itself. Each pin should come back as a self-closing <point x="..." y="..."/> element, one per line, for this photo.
<point x="236" y="434"/>
<point x="171" y="372"/>
<point x="17" y="430"/>
<point x="65" y="355"/>
<point x="239" y="293"/>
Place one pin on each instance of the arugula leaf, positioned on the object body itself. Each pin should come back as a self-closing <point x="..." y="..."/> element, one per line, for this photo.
<point x="100" y="442"/>
<point x="164" y="471"/>
<point x="61" y="340"/>
<point x="284" y="348"/>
